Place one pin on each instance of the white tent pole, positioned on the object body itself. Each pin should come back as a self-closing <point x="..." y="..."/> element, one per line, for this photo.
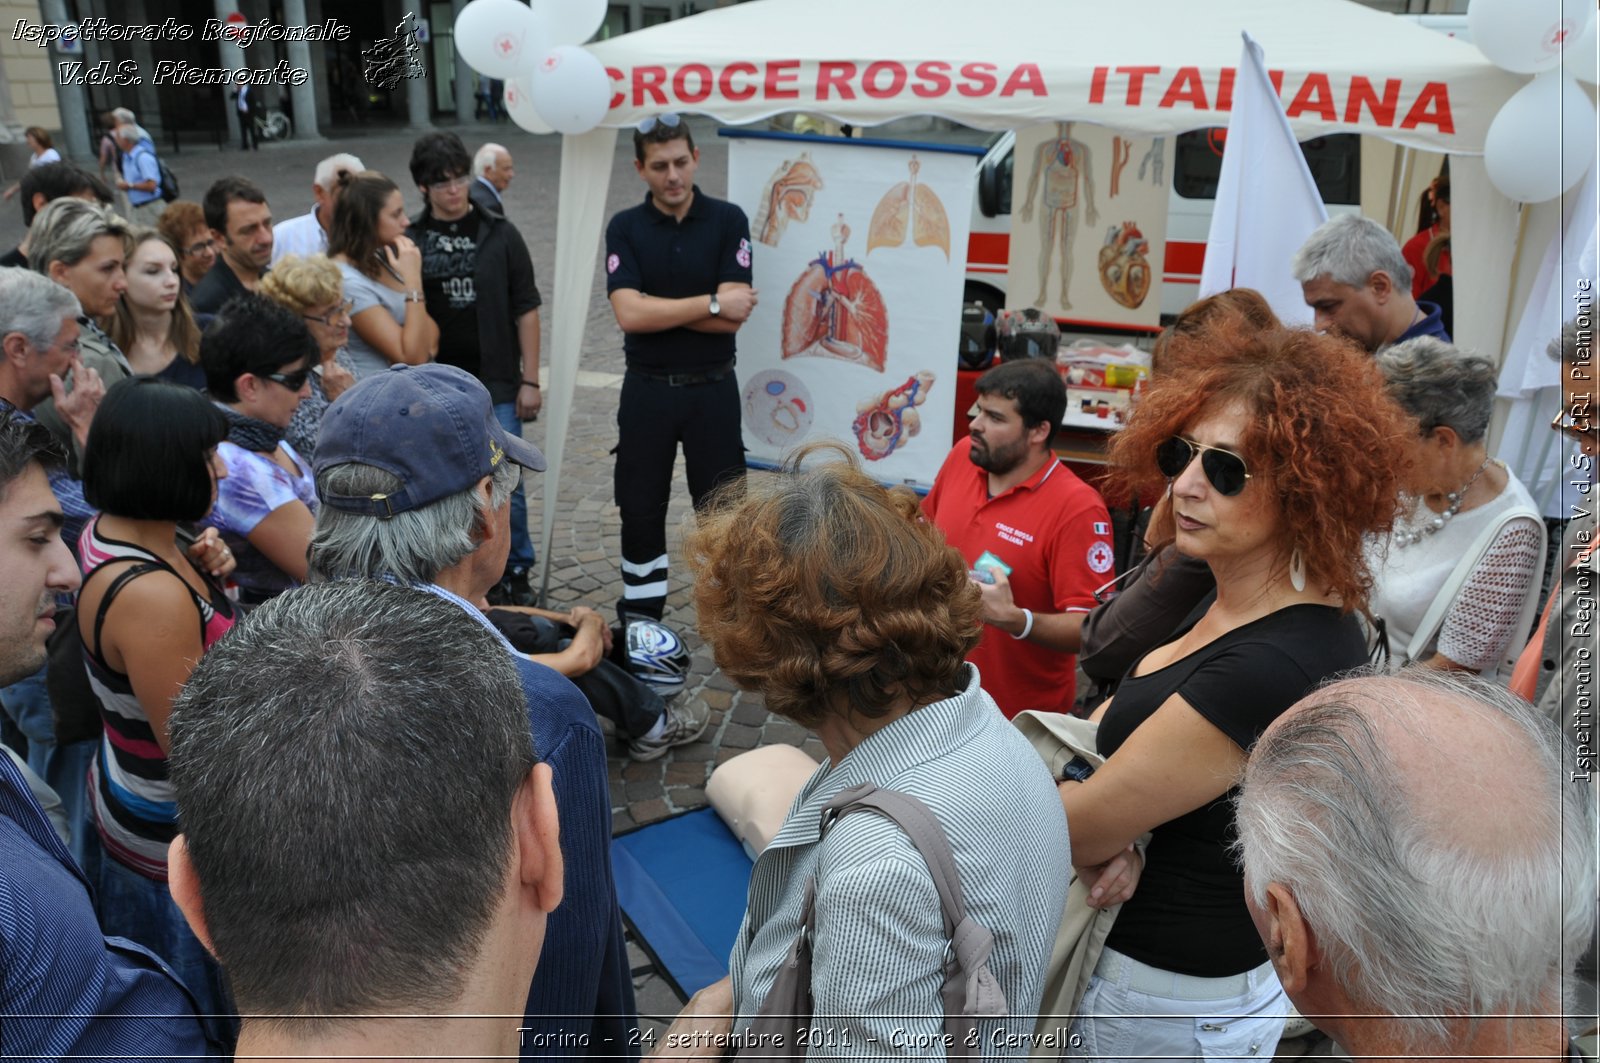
<point x="586" y="162"/>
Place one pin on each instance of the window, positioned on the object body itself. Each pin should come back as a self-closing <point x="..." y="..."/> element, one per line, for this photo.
<point x="1335" y="162"/>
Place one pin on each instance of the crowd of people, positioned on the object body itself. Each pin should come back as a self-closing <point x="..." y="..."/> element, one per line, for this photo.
<point x="262" y="515"/>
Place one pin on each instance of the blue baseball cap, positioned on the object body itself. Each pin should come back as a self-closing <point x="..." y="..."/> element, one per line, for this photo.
<point x="432" y="426"/>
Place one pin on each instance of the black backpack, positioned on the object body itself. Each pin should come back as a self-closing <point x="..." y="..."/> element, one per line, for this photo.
<point x="169" y="183"/>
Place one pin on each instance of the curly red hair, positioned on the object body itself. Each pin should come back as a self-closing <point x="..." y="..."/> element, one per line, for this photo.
<point x="1245" y="307"/>
<point x="1323" y="436"/>
<point x="827" y="592"/>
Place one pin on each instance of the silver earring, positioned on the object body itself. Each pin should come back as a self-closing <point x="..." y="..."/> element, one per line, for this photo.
<point x="1297" y="570"/>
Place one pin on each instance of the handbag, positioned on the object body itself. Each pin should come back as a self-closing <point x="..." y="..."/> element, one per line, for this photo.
<point x="73" y="704"/>
<point x="1081" y="937"/>
<point x="970" y="992"/>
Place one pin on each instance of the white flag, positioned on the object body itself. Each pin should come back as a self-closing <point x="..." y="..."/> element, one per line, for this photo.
<point x="1267" y="203"/>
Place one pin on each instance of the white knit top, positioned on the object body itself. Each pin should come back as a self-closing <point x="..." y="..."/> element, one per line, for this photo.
<point x="1478" y="628"/>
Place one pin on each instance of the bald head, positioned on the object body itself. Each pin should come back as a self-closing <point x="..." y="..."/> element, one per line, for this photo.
<point x="1431" y="838"/>
<point x="493" y="163"/>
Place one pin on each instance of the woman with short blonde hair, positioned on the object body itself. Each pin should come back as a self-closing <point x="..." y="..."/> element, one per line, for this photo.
<point x="313" y="287"/>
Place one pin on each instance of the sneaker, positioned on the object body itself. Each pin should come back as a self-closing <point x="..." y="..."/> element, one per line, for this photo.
<point x="680" y="726"/>
<point x="513" y="589"/>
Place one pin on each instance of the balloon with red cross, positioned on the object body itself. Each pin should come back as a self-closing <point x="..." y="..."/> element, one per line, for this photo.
<point x="500" y="38"/>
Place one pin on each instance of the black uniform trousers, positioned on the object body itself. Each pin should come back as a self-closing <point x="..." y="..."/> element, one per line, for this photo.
<point x="653" y="417"/>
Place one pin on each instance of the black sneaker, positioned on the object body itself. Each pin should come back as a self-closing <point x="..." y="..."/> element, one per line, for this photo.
<point x="515" y="581"/>
<point x="513" y="589"/>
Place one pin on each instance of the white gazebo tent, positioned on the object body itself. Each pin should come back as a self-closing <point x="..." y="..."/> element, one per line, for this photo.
<point x="1146" y="67"/>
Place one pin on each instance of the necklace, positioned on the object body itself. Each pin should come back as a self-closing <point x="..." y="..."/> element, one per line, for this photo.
<point x="1404" y="537"/>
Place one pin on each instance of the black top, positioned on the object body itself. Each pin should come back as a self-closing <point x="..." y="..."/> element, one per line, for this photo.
<point x="14" y="257"/>
<point x="216" y="288"/>
<point x="657" y="255"/>
<point x="503" y="290"/>
<point x="449" y="268"/>
<point x="1188" y="913"/>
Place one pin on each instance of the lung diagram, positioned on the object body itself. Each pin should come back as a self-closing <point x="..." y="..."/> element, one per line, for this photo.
<point x="835" y="311"/>
<point x="909" y="207"/>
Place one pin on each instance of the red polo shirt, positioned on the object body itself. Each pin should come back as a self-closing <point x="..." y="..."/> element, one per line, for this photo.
<point x="1054" y="532"/>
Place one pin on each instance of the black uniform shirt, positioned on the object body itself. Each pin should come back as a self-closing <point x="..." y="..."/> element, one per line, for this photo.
<point x="657" y="255"/>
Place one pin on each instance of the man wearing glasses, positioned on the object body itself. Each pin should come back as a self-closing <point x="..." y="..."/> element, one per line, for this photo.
<point x="678" y="274"/>
<point x="477" y="279"/>
<point x="1037" y="538"/>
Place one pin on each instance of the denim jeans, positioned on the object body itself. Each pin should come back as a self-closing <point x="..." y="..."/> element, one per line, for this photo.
<point x="521" y="541"/>
<point x="1134" y="1011"/>
<point x="63" y="768"/>
<point x="142" y="910"/>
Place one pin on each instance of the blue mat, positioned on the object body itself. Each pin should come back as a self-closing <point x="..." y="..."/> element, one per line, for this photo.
<point x="682" y="884"/>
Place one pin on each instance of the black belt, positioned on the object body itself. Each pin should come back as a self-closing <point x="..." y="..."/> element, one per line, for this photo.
<point x="683" y="380"/>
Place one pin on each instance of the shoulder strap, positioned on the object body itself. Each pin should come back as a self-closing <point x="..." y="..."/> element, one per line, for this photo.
<point x="1433" y="619"/>
<point x="126" y="576"/>
<point x="970" y="989"/>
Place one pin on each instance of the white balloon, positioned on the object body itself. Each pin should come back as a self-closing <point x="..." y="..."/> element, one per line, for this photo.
<point x="499" y="38"/>
<point x="1581" y="55"/>
<point x="570" y="21"/>
<point x="1543" y="140"/>
<point x="520" y="106"/>
<point x="571" y="89"/>
<point x="1525" y="37"/>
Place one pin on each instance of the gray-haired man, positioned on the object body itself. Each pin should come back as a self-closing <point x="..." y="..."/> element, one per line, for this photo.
<point x="340" y="899"/>
<point x="1358" y="284"/>
<point x="307" y="234"/>
<point x="1420" y="864"/>
<point x="415" y="475"/>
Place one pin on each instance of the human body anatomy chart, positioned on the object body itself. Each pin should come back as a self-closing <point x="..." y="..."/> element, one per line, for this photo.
<point x="860" y="259"/>
<point x="1088" y="230"/>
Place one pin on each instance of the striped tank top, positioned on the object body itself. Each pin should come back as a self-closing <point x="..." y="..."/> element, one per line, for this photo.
<point x="129" y="790"/>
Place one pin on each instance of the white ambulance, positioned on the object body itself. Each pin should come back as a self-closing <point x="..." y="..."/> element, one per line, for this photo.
<point x="1194" y="161"/>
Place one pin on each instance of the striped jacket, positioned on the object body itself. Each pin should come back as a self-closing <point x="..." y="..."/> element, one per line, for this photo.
<point x="880" y="938"/>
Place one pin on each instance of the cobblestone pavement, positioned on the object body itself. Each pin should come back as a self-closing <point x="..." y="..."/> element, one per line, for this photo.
<point x="585" y="549"/>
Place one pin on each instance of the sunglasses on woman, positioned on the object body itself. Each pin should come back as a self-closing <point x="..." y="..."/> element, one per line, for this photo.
<point x="292" y="381"/>
<point x="1225" y="471"/>
<point x="669" y="120"/>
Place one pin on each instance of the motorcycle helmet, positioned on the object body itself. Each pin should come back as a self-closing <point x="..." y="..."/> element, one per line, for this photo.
<point x="1028" y="333"/>
<point x="977" y="336"/>
<point x="656" y="655"/>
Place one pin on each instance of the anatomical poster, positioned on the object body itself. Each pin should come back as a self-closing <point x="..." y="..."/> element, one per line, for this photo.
<point x="860" y="251"/>
<point x="1088" y="224"/>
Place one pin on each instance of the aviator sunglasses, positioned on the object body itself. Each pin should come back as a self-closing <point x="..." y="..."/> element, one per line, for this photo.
<point x="1224" y="469"/>
<point x="669" y="120"/>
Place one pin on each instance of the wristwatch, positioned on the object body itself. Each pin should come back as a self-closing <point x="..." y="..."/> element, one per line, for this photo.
<point x="716" y="307"/>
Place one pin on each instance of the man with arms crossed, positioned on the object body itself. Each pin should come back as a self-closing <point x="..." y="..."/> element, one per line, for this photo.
<point x="1019" y="515"/>
<point x="348" y="849"/>
<point x="678" y="274"/>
